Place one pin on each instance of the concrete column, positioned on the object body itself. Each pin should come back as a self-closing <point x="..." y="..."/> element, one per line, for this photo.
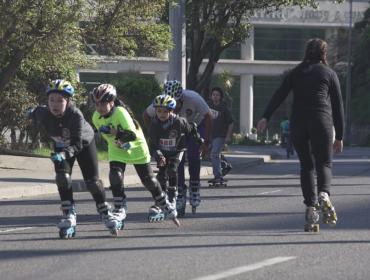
<point x="177" y="56"/>
<point x="246" y="104"/>
<point x="161" y="77"/>
<point x="247" y="50"/>
<point x="78" y="75"/>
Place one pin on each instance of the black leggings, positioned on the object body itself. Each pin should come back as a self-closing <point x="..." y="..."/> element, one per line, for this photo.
<point x="145" y="173"/>
<point x="312" y="136"/>
<point x="88" y="161"/>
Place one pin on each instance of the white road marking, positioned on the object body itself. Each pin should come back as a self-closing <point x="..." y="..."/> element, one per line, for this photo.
<point x="15" y="229"/>
<point x="269" y="192"/>
<point x="246" y="268"/>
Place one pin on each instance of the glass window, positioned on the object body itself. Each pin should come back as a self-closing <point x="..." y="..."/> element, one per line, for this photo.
<point x="285" y="44"/>
<point x="263" y="89"/>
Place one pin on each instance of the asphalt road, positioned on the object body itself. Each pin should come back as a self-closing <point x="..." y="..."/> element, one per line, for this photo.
<point x="252" y="229"/>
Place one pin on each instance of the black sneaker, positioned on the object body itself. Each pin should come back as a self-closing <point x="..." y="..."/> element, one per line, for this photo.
<point x="226" y="170"/>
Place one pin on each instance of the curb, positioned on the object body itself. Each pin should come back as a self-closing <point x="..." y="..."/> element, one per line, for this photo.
<point x="130" y="180"/>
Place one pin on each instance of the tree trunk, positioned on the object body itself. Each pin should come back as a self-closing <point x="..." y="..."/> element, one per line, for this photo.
<point x="8" y="73"/>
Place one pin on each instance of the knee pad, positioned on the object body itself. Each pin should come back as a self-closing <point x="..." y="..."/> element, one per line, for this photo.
<point x="150" y="182"/>
<point x="94" y="186"/>
<point x="171" y="171"/>
<point x="63" y="181"/>
<point x="116" y="177"/>
<point x="162" y="179"/>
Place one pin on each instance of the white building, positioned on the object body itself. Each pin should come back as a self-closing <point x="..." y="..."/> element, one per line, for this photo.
<point x="276" y="44"/>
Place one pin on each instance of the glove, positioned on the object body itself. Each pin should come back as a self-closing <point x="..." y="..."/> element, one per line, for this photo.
<point x="29" y="111"/>
<point x="55" y="157"/>
<point x="104" y="129"/>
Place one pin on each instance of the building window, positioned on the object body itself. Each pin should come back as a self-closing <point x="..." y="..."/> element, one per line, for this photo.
<point x="284" y="44"/>
<point x="263" y="89"/>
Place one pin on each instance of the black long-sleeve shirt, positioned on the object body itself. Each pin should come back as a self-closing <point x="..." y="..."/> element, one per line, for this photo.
<point x="313" y="84"/>
<point x="70" y="133"/>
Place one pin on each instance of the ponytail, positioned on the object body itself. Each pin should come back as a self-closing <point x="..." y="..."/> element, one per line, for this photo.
<point x="119" y="103"/>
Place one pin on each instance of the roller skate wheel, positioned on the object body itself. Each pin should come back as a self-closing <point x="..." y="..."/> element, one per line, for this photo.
<point x="335" y="217"/>
<point x="317" y="206"/>
<point x="324" y="220"/>
<point x="332" y="223"/>
<point x="316" y="228"/>
<point x="306" y="228"/>
<point x="194" y="210"/>
<point x="327" y="203"/>
<point x="113" y="232"/>
<point x="150" y="218"/>
<point x="65" y="233"/>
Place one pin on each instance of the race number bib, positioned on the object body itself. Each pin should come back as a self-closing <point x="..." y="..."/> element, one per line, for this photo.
<point x="214" y="113"/>
<point x="168" y="144"/>
<point x="61" y="142"/>
<point x="125" y="146"/>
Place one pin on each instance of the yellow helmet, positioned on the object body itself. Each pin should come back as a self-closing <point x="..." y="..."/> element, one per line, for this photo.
<point x="60" y="85"/>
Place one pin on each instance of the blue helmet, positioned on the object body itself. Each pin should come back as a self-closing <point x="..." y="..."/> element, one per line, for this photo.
<point x="61" y="86"/>
<point x="164" y="101"/>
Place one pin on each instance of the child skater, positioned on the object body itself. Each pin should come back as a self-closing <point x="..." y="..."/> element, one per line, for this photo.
<point x="126" y="145"/>
<point x="73" y="139"/>
<point x="167" y="144"/>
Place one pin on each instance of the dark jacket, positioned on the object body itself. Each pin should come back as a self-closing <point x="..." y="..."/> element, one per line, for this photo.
<point x="222" y="118"/>
<point x="69" y="133"/>
<point x="316" y="89"/>
<point x="165" y="142"/>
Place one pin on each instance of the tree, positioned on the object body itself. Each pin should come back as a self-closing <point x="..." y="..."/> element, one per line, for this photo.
<point x="360" y="100"/>
<point x="37" y="29"/>
<point x="215" y="25"/>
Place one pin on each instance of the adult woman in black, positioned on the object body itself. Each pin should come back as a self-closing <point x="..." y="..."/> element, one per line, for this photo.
<point x="316" y="93"/>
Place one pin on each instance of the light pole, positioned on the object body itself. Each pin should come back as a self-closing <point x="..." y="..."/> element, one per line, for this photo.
<point x="348" y="88"/>
<point x="177" y="56"/>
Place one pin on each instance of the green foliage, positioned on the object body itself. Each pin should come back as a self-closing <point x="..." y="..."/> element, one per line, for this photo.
<point x="210" y="33"/>
<point x="360" y="99"/>
<point x="138" y="92"/>
<point x="45" y="33"/>
<point x="365" y="142"/>
<point x="246" y="141"/>
<point x="254" y="130"/>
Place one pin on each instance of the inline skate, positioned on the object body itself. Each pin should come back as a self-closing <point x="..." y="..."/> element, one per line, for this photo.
<point x="67" y="225"/>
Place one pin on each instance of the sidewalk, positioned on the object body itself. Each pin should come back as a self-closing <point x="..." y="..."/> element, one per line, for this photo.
<point x="22" y="176"/>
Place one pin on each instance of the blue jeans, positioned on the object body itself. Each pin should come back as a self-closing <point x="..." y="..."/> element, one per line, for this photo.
<point x="214" y="155"/>
<point x="193" y="155"/>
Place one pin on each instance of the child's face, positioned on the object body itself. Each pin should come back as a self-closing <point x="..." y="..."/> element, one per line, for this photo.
<point x="57" y="104"/>
<point x="103" y="108"/>
<point x="216" y="97"/>
<point x="163" y="113"/>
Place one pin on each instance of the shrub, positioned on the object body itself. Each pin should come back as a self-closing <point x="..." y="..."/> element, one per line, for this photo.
<point x="254" y="130"/>
<point x="137" y="91"/>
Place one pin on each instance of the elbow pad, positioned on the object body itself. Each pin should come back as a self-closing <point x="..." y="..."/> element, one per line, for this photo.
<point x="126" y="136"/>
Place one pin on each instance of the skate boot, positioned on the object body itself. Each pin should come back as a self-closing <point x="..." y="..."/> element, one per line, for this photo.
<point x="155" y="213"/>
<point x="327" y="209"/>
<point x="112" y="222"/>
<point x="120" y="209"/>
<point x="194" y="196"/>
<point x="170" y="212"/>
<point x="311" y="217"/>
<point x="181" y="202"/>
<point x="67" y="224"/>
